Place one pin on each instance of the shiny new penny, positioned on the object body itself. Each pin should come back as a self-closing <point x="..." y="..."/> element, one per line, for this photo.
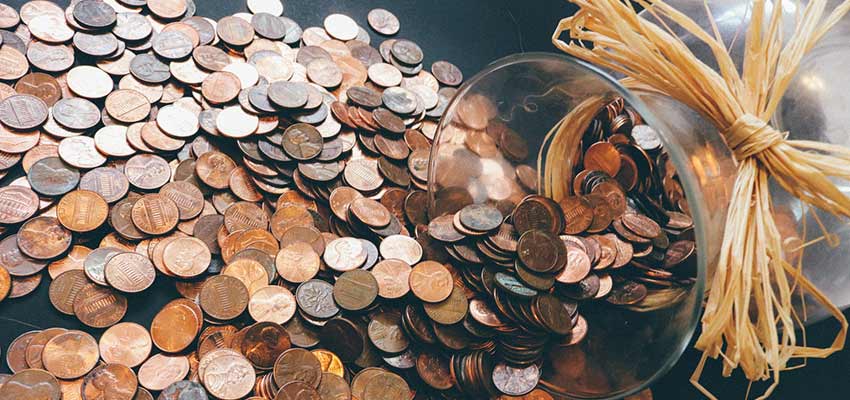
<point x="214" y="169"/>
<point x="161" y="370"/>
<point x="129" y="272"/>
<point x="155" y="214"/>
<point x="297" y="262"/>
<point x="431" y="282"/>
<point x="110" y="381"/>
<point x="370" y="212"/>
<point x="345" y="254"/>
<point x="272" y="304"/>
<point x="70" y="355"/>
<point x="224" y="297"/>
<point x="82" y="211"/>
<point x="99" y="307"/>
<point x="393" y="277"/>
<point x="125" y="343"/>
<point x="31" y="384"/>
<point x="187" y="257"/>
<point x="174" y="328"/>
<point x="44" y="238"/>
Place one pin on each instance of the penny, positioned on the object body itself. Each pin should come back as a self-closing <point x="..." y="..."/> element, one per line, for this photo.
<point x="8" y="17"/>
<point x="110" y="183"/>
<point x="35" y="347"/>
<point x="383" y="21"/>
<point x="235" y="31"/>
<point x="37" y="84"/>
<point x="23" y="112"/>
<point x="5" y="283"/>
<point x="176" y="122"/>
<point x="126" y="343"/>
<point x="161" y="370"/>
<point x="70" y="355"/>
<point x="297" y="262"/>
<point x="235" y="123"/>
<point x="16" y="353"/>
<point x="13" y="64"/>
<point x="31" y="384"/>
<point x="89" y="82"/>
<point x="214" y="169"/>
<point x="82" y="211"/>
<point x="386" y="333"/>
<point x="393" y="278"/>
<point x="17" y="204"/>
<point x="272" y="304"/>
<point x="147" y="68"/>
<point x="641" y="225"/>
<point x="224" y="297"/>
<point x="174" y="328"/>
<point x="210" y="58"/>
<point x="221" y="87"/>
<point x="345" y="254"/>
<point x="127" y="106"/>
<point x="76" y="113"/>
<point x="298" y="365"/>
<point x="155" y="214"/>
<point x="480" y="218"/>
<point x="184" y="390"/>
<point x="229" y="377"/>
<point x="289" y="95"/>
<point x="447" y="73"/>
<point x="297" y="391"/>
<point x="168" y="9"/>
<point x="385" y="75"/>
<point x="43" y="238"/>
<point x="129" y="272"/>
<point x="431" y="282"/>
<point x="355" y="290"/>
<point x="386" y="386"/>
<point x="187" y="257"/>
<point x="516" y="381"/>
<point x="263" y="342"/>
<point x="99" y="307"/>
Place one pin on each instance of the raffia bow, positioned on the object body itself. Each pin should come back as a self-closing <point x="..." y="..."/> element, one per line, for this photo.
<point x="749" y="318"/>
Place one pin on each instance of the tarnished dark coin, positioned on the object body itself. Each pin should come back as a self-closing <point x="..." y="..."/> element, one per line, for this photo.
<point x="355" y="290"/>
<point x="315" y="298"/>
<point x="147" y="68"/>
<point x="76" y="113"/>
<point x="627" y="293"/>
<point x="364" y="96"/>
<point x="269" y="26"/>
<point x="288" y="94"/>
<point x="480" y="217"/>
<point x="172" y="45"/>
<point x="302" y="142"/>
<point x="15" y="262"/>
<point x="96" y="45"/>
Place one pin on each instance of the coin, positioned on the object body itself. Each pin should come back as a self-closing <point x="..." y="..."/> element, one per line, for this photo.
<point x="70" y="355"/>
<point x="31" y="383"/>
<point x="129" y="272"/>
<point x="161" y="370"/>
<point x="224" y="297"/>
<point x="383" y="21"/>
<point x="345" y="254"/>
<point x="155" y="214"/>
<point x="272" y="304"/>
<point x="126" y="343"/>
<point x="43" y="238"/>
<point x="431" y="282"/>
<point x="82" y="211"/>
<point x="298" y="365"/>
<point x="99" y="307"/>
<point x="17" y="204"/>
<point x="174" y="328"/>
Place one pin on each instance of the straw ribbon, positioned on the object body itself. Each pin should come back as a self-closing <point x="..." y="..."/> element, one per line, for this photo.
<point x="749" y="135"/>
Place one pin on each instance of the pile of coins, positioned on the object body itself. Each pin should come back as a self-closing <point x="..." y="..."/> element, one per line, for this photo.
<point x="276" y="177"/>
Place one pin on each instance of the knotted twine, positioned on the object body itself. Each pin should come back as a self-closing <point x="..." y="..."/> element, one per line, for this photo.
<point x="749" y="319"/>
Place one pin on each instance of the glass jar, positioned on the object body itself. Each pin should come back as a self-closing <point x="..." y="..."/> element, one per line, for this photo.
<point x="624" y="350"/>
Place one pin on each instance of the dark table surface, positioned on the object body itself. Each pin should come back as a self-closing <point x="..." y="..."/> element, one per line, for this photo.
<point x="471" y="34"/>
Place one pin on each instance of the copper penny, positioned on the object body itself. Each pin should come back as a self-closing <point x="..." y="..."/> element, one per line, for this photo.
<point x="188" y="198"/>
<point x="64" y="289"/>
<point x="110" y="183"/>
<point x="298" y="365"/>
<point x="40" y="85"/>
<point x="35" y="348"/>
<point x="345" y="254"/>
<point x="174" y="328"/>
<point x="297" y="262"/>
<point x="229" y="377"/>
<point x="127" y="105"/>
<point x="16" y="354"/>
<point x="383" y="21"/>
<point x="187" y="257"/>
<point x="13" y="64"/>
<point x="221" y="87"/>
<point x="214" y="169"/>
<point x="393" y="277"/>
<point x="129" y="272"/>
<point x="161" y="370"/>
<point x="70" y="355"/>
<point x="112" y="381"/>
<point x="126" y="343"/>
<point x="82" y="211"/>
<point x="263" y="343"/>
<point x="272" y="304"/>
<point x="31" y="384"/>
<point x="370" y="212"/>
<point x="17" y="204"/>
<point x="155" y="138"/>
<point x="431" y="282"/>
<point x="224" y="297"/>
<point x="355" y="290"/>
<point x="5" y="283"/>
<point x="99" y="307"/>
<point x="155" y="214"/>
<point x="43" y="238"/>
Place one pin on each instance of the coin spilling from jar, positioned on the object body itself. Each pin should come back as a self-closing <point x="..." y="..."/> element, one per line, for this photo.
<point x="276" y="177"/>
